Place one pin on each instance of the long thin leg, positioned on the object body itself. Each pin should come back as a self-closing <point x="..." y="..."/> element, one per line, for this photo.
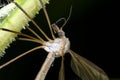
<point x="23" y="54"/>
<point x="48" y="19"/>
<point x="31" y="40"/>
<point x="45" y="67"/>
<point x="32" y="31"/>
<point x="22" y="34"/>
<point x="32" y="21"/>
<point x="28" y="37"/>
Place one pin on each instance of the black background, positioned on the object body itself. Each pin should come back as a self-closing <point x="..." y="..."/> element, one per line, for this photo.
<point x="90" y="30"/>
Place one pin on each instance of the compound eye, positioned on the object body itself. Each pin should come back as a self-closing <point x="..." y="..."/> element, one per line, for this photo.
<point x="61" y="33"/>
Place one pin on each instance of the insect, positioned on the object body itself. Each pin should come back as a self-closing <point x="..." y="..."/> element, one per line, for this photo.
<point x="57" y="47"/>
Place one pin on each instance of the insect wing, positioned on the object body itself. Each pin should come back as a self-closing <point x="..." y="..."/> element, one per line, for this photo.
<point x="61" y="73"/>
<point x="85" y="69"/>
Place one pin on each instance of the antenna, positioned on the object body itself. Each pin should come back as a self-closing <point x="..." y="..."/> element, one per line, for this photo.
<point x="65" y="20"/>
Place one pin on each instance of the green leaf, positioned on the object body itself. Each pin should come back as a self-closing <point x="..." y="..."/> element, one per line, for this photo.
<point x="16" y="20"/>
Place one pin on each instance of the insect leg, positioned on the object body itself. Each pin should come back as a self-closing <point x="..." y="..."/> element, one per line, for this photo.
<point x="47" y="17"/>
<point x="32" y="21"/>
<point x="23" y="54"/>
<point x="45" y="67"/>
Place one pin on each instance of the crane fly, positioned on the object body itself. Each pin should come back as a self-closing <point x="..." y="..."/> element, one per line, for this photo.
<point x="57" y="47"/>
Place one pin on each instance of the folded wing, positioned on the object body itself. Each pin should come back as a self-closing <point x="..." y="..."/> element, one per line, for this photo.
<point x="85" y="69"/>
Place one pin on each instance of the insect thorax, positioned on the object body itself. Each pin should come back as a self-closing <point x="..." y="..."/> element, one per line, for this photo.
<point x="59" y="46"/>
